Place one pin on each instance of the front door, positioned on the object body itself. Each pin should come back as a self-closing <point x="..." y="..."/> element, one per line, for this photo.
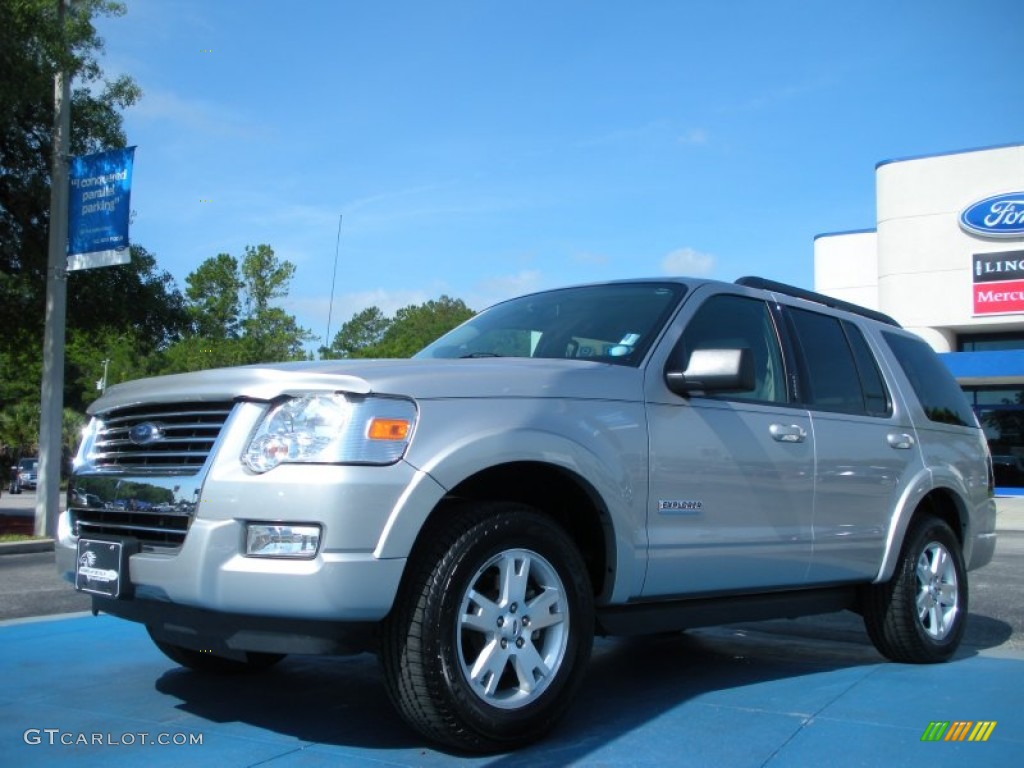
<point x="731" y="475"/>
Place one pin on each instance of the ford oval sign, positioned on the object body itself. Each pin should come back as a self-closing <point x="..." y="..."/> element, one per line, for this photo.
<point x="998" y="216"/>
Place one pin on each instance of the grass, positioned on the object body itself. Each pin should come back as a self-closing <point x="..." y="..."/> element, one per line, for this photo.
<point x="9" y="537"/>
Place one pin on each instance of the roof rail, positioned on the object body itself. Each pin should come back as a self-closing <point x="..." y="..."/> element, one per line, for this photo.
<point x="817" y="298"/>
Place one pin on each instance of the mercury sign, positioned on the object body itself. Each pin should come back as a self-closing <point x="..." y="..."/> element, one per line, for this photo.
<point x="998" y="216"/>
<point x="98" y="207"/>
<point x="998" y="283"/>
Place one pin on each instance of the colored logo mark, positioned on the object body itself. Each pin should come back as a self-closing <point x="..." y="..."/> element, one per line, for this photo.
<point x="998" y="216"/>
<point x="958" y="730"/>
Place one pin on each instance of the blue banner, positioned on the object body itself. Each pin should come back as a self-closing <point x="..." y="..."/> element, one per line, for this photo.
<point x="98" y="209"/>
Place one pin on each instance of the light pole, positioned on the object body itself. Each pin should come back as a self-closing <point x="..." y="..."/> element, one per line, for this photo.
<point x="52" y="391"/>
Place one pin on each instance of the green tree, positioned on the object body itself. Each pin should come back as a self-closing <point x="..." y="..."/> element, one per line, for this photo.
<point x="415" y="326"/>
<point x="19" y="433"/>
<point x="359" y="336"/>
<point x="264" y="278"/>
<point x="233" y="317"/>
<point x="124" y="353"/>
<point x="270" y="333"/>
<point x="212" y="298"/>
<point x="34" y="45"/>
<point x="370" y="334"/>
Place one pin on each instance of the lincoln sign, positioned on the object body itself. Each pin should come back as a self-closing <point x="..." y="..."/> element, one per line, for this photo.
<point x="998" y="283"/>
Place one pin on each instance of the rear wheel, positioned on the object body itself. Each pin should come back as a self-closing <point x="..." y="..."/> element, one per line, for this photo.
<point x="491" y="633"/>
<point x="919" y="616"/>
<point x="200" y="661"/>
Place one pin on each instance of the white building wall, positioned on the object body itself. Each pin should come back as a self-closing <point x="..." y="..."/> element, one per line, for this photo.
<point x="917" y="263"/>
<point x="846" y="267"/>
<point x="924" y="257"/>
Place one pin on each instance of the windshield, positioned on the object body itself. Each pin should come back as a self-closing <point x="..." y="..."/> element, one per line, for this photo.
<point x="611" y="323"/>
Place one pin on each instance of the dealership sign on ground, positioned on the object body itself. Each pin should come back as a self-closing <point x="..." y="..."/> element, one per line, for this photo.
<point x="98" y="209"/>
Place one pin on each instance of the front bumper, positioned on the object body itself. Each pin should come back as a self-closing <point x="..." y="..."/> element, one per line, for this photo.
<point x="350" y="579"/>
<point x="233" y="635"/>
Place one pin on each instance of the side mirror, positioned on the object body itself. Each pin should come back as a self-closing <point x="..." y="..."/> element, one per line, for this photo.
<point x="714" y="370"/>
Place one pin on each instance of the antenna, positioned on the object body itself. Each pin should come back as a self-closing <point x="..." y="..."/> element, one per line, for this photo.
<point x="334" y="276"/>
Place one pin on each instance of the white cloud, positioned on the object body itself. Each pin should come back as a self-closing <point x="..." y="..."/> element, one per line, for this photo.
<point x="204" y="117"/>
<point x="687" y="261"/>
<point x="696" y="136"/>
<point x="503" y="287"/>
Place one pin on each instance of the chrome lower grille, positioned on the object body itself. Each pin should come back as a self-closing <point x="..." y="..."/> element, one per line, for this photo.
<point x="158" y="439"/>
<point x="157" y="529"/>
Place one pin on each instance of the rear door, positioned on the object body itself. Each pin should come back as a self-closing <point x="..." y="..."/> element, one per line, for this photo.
<point x="866" y="447"/>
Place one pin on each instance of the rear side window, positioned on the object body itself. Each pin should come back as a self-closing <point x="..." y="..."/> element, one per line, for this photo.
<point x="941" y="397"/>
<point x="876" y="396"/>
<point x="839" y="371"/>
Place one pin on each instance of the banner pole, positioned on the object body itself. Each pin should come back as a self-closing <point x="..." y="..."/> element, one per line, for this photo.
<point x="52" y="393"/>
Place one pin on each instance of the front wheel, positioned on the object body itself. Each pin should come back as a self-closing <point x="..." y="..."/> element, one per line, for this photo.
<point x="491" y="633"/>
<point x="919" y="616"/>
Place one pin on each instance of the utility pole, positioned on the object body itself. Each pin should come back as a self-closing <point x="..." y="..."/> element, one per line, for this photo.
<point x="52" y="395"/>
<point x="101" y="385"/>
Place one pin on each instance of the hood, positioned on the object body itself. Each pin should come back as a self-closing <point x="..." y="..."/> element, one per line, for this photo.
<point x="419" y="379"/>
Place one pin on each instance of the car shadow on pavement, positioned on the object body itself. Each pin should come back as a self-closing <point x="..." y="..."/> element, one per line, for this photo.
<point x="630" y="682"/>
<point x="326" y="700"/>
<point x="982" y="632"/>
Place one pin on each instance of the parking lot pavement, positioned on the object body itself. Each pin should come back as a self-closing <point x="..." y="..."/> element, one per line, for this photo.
<point x="82" y="690"/>
<point x="85" y="690"/>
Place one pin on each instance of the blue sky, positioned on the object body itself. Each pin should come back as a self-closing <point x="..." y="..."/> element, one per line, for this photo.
<point x="483" y="149"/>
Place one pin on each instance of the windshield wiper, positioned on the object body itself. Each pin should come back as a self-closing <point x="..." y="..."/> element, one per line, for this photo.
<point x="480" y="354"/>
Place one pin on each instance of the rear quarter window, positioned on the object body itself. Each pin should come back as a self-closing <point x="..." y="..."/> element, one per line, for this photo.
<point x="940" y="396"/>
<point x="839" y="370"/>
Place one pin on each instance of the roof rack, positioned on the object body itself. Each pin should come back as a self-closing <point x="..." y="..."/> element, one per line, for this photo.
<point x="817" y="298"/>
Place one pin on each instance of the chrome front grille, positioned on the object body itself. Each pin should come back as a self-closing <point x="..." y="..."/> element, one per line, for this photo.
<point x="173" y="439"/>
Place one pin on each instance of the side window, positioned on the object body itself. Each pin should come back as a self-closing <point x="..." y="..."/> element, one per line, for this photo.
<point x="839" y="371"/>
<point x="940" y="395"/>
<point x="876" y="396"/>
<point x="736" y="322"/>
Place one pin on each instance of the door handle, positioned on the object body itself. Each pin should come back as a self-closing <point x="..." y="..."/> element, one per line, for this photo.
<point x="900" y="440"/>
<point x="794" y="433"/>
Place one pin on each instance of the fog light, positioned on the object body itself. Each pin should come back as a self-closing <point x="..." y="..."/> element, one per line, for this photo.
<point x="278" y="540"/>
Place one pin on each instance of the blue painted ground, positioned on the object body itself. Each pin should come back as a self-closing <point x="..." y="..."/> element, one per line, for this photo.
<point x="722" y="698"/>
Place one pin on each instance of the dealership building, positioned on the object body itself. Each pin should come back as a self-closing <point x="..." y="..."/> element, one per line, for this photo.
<point x="946" y="260"/>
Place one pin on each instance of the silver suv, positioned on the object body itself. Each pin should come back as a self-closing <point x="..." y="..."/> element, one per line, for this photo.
<point x="613" y="459"/>
<point x="24" y="475"/>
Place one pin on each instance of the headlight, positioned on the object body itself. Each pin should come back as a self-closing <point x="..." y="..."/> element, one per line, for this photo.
<point x="332" y="429"/>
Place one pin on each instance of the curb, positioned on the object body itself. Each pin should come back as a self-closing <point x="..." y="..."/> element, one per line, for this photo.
<point x="25" y="547"/>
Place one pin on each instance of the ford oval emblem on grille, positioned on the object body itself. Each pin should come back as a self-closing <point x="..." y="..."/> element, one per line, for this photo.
<point x="145" y="433"/>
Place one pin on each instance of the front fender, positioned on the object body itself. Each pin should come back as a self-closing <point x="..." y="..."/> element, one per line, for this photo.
<point x="602" y="442"/>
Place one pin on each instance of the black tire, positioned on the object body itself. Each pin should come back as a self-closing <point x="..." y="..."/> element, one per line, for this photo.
<point x="919" y="616"/>
<point x="208" y="663"/>
<point x="469" y="659"/>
